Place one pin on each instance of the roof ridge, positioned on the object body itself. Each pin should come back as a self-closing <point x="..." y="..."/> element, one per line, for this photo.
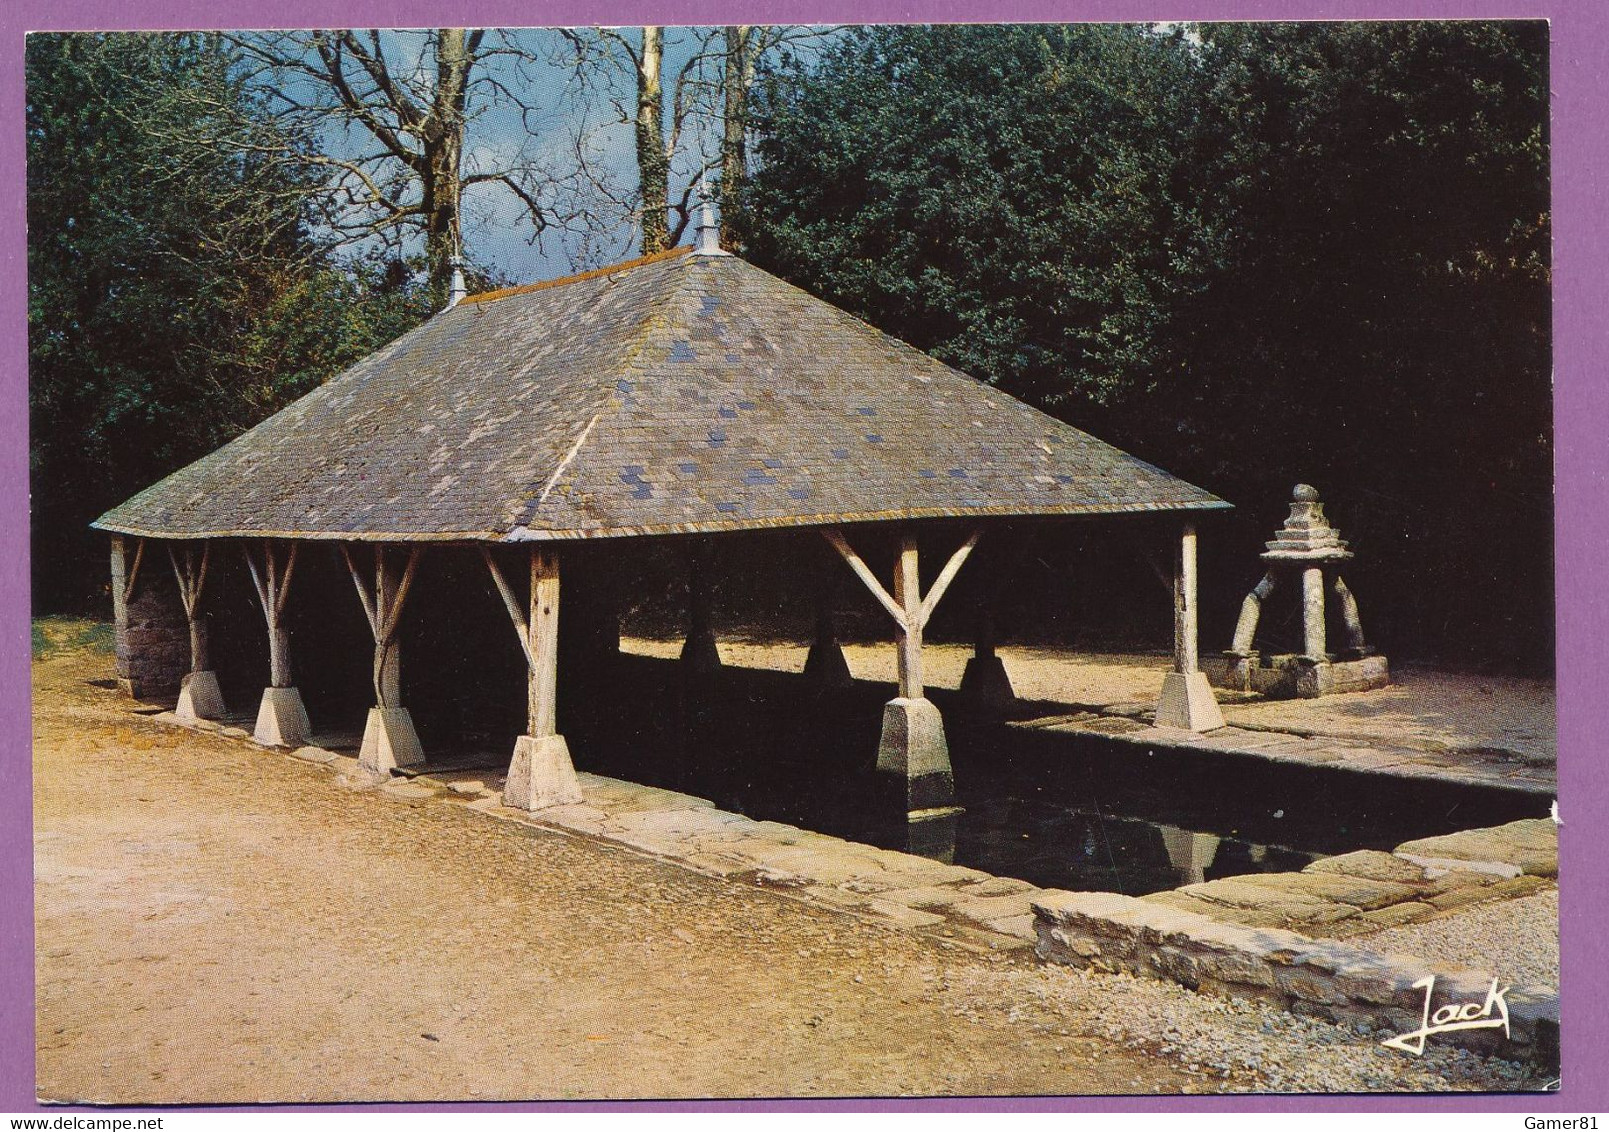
<point x="595" y="273"/>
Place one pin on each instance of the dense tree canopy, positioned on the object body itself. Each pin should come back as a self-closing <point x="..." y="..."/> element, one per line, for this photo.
<point x="176" y="292"/>
<point x="1252" y="253"/>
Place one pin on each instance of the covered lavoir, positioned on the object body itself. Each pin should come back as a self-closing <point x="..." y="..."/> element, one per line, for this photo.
<point x="680" y="397"/>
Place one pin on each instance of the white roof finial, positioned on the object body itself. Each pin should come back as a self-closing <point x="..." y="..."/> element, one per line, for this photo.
<point x="458" y="290"/>
<point x="709" y="233"/>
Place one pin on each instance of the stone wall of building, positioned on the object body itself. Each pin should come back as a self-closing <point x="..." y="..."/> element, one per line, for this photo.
<point x="153" y="638"/>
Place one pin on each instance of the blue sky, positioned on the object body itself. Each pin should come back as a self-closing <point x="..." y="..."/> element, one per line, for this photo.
<point x="560" y="122"/>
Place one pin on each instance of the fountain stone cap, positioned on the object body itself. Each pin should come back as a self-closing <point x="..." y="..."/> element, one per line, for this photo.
<point x="1306" y="536"/>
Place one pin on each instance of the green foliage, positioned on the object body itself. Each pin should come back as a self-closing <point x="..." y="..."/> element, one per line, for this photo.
<point x="1000" y="196"/>
<point x="52" y="636"/>
<point x="1256" y="254"/>
<point x="177" y="292"/>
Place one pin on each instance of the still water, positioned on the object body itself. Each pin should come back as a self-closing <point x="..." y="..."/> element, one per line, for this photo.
<point x="1060" y="810"/>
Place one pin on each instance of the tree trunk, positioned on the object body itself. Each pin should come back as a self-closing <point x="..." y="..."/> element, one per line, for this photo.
<point x="443" y="142"/>
<point x="734" y="150"/>
<point x="653" y="164"/>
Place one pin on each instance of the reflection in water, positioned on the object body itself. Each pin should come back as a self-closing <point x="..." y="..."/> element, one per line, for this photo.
<point x="1190" y="853"/>
<point x="1095" y="847"/>
<point x="933" y="838"/>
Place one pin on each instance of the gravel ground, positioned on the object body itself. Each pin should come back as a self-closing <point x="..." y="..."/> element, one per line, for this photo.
<point x="219" y="923"/>
<point x="1517" y="940"/>
<point x="1224" y="1040"/>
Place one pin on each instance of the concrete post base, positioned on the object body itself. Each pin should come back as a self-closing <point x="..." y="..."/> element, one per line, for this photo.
<point x="282" y="720"/>
<point x="827" y="667"/>
<point x="699" y="653"/>
<point x="913" y="747"/>
<point x="541" y="774"/>
<point x="200" y="697"/>
<point x="1187" y="703"/>
<point x="985" y="684"/>
<point x="389" y="741"/>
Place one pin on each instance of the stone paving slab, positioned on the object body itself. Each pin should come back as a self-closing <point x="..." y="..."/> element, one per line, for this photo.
<point x="1532" y="845"/>
<point x="1356" y="893"/>
<point x="1477" y="768"/>
<point x="967" y="907"/>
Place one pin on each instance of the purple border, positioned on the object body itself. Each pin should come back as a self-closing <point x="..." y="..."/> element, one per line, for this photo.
<point x="1580" y="167"/>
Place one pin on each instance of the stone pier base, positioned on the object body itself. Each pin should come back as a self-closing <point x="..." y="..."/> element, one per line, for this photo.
<point x="913" y="748"/>
<point x="1187" y="703"/>
<point x="985" y="684"/>
<point x="826" y="666"/>
<point x="699" y="654"/>
<point x="200" y="697"/>
<point x="1296" y="677"/>
<point x="282" y="719"/>
<point x="389" y="741"/>
<point x="541" y="774"/>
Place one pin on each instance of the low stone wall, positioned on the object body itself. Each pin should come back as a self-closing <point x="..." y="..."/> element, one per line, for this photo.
<point x="152" y="635"/>
<point x="1328" y="979"/>
<point x="1233" y="936"/>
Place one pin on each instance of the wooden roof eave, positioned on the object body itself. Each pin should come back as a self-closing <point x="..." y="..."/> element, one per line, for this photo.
<point x="527" y="535"/>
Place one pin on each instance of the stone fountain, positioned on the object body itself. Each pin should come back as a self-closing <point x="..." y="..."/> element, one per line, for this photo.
<point x="1309" y="551"/>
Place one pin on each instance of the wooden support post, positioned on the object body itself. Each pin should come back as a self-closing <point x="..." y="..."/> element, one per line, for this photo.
<point x="985" y="685"/>
<point x="1187" y="701"/>
<point x="120" y="618"/>
<point x="825" y="665"/>
<point x="699" y="652"/>
<point x="199" y="694"/>
<point x="541" y="773"/>
<point x="543" y="690"/>
<point x="908" y="596"/>
<point x="1186" y="646"/>
<point x="282" y="718"/>
<point x="913" y="745"/>
<point x="389" y="737"/>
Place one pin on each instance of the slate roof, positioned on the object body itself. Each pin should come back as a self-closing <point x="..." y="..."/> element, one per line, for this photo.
<point x="679" y="393"/>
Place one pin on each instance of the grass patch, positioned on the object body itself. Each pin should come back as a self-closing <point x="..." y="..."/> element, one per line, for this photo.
<point x="57" y="634"/>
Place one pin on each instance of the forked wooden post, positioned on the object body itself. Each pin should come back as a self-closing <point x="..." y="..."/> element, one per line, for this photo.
<point x="1187" y="701"/>
<point x="282" y="718"/>
<point x="389" y="737"/>
<point x="913" y="745"/>
<point x="541" y="773"/>
<point x="199" y="694"/>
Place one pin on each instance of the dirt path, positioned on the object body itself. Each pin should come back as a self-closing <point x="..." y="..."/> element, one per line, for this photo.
<point x="219" y="923"/>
